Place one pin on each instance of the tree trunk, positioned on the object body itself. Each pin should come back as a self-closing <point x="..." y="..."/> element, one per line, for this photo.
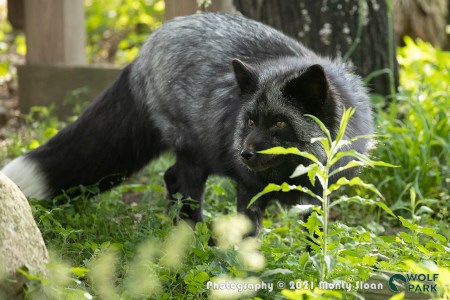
<point x="358" y="31"/>
<point x="422" y="19"/>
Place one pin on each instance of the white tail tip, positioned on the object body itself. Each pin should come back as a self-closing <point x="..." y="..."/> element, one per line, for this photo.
<point x="28" y="177"/>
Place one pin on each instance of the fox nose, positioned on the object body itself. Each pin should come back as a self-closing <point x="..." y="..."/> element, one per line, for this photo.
<point x="247" y="153"/>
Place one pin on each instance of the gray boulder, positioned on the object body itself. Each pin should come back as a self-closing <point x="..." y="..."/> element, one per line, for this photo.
<point x="21" y="243"/>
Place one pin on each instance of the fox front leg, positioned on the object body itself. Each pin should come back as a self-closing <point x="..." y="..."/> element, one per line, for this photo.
<point x="187" y="178"/>
<point x="255" y="212"/>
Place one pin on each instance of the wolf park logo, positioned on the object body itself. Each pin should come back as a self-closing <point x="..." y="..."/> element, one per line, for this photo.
<point x="419" y="283"/>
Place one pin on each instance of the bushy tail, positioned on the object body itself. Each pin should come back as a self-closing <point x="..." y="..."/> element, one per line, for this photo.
<point x="112" y="139"/>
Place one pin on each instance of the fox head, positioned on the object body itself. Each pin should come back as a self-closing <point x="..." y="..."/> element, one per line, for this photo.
<point x="274" y="102"/>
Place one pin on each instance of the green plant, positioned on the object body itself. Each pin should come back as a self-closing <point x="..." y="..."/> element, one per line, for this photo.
<point x="112" y="228"/>
<point x="116" y="29"/>
<point x="335" y="254"/>
<point x="323" y="172"/>
<point x="12" y="46"/>
<point x="417" y="131"/>
<point x="109" y="229"/>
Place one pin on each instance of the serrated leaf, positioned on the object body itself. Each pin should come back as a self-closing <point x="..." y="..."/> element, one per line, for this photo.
<point x="351" y="153"/>
<point x="314" y="221"/>
<point x="361" y="157"/>
<point x="354" y="181"/>
<point x="312" y="176"/>
<point x="351" y="164"/>
<point x="309" y="192"/>
<point x="300" y="170"/>
<point x="346" y="199"/>
<point x="284" y="151"/>
<point x="285" y="187"/>
<point x="271" y="187"/>
<point x="280" y="151"/>
<point x="313" y="244"/>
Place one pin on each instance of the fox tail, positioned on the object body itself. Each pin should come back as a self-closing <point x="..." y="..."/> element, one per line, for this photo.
<point x="114" y="138"/>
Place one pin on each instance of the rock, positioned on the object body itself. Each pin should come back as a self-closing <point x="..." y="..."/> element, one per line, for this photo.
<point x="21" y="243"/>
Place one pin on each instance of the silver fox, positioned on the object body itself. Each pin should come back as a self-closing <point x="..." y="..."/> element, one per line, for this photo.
<point x="214" y="89"/>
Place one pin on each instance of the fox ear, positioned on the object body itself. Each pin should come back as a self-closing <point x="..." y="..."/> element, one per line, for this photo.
<point x="245" y="76"/>
<point x="310" y="89"/>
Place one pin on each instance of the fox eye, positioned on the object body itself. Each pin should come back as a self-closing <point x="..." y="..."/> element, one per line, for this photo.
<point x="250" y="123"/>
<point x="280" y="124"/>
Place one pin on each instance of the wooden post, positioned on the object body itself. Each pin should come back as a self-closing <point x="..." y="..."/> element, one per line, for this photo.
<point x="225" y="6"/>
<point x="179" y="8"/>
<point x="15" y="14"/>
<point x="187" y="7"/>
<point x="55" y="67"/>
<point x="55" y="31"/>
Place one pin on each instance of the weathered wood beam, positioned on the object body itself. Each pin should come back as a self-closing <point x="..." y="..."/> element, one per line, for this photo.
<point x="55" y="31"/>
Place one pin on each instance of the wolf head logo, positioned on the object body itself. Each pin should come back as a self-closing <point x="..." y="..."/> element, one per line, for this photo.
<point x="396" y="277"/>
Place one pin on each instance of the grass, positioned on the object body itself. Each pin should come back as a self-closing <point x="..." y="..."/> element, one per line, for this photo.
<point x="122" y="243"/>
